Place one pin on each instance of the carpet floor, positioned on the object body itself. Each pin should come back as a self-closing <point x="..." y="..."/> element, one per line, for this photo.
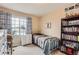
<point x="27" y="50"/>
<point x="32" y="50"/>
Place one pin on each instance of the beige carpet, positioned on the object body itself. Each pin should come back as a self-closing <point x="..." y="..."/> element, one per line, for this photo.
<point x="57" y="52"/>
<point x="27" y="50"/>
<point x="32" y="50"/>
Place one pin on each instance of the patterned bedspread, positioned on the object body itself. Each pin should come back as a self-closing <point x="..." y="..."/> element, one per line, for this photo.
<point x="46" y="43"/>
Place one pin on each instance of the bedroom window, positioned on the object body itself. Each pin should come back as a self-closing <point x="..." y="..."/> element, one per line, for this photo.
<point x="23" y="26"/>
<point x="19" y="26"/>
<point x="15" y="26"/>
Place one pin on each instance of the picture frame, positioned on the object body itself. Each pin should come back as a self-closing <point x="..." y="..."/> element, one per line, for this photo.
<point x="48" y="25"/>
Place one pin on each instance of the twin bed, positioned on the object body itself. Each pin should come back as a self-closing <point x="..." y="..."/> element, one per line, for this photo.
<point x="47" y="43"/>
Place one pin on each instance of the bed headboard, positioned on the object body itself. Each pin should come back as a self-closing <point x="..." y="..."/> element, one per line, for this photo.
<point x="39" y="34"/>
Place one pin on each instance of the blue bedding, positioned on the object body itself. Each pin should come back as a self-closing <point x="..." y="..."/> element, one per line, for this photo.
<point x="48" y="44"/>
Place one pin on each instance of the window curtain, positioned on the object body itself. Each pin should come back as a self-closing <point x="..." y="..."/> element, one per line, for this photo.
<point x="8" y="22"/>
<point x="29" y="25"/>
<point x="5" y="21"/>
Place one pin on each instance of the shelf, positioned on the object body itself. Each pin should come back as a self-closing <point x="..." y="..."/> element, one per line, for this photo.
<point x="71" y="26"/>
<point x="70" y="48"/>
<point x="65" y="52"/>
<point x="71" y="33"/>
<point x="76" y="34"/>
<point x="71" y="18"/>
<point x="70" y="40"/>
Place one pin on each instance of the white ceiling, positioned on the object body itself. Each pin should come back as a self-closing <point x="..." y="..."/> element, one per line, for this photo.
<point x="37" y="9"/>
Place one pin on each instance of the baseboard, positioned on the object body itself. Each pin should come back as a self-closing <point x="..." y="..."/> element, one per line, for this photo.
<point x="27" y="44"/>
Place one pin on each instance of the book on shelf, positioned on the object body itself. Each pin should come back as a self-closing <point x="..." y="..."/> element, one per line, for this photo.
<point x="70" y="44"/>
<point x="71" y="29"/>
<point x="63" y="48"/>
<point x="69" y="51"/>
<point x="69" y="37"/>
<point x="74" y="22"/>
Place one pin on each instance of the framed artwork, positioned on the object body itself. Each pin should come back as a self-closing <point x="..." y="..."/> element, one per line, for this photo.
<point x="48" y="25"/>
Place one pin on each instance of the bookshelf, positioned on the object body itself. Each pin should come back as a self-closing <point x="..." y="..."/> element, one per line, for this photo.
<point x="70" y="35"/>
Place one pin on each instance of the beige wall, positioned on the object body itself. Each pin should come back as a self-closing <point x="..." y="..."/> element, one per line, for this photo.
<point x="35" y="25"/>
<point x="55" y="19"/>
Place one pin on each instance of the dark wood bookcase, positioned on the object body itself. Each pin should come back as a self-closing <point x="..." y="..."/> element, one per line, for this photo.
<point x="70" y="35"/>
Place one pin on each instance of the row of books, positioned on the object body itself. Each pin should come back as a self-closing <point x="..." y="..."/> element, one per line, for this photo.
<point x="68" y="50"/>
<point x="70" y="37"/>
<point x="70" y="44"/>
<point x="63" y="48"/>
<point x="74" y="22"/>
<point x="64" y="23"/>
<point x="71" y="29"/>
